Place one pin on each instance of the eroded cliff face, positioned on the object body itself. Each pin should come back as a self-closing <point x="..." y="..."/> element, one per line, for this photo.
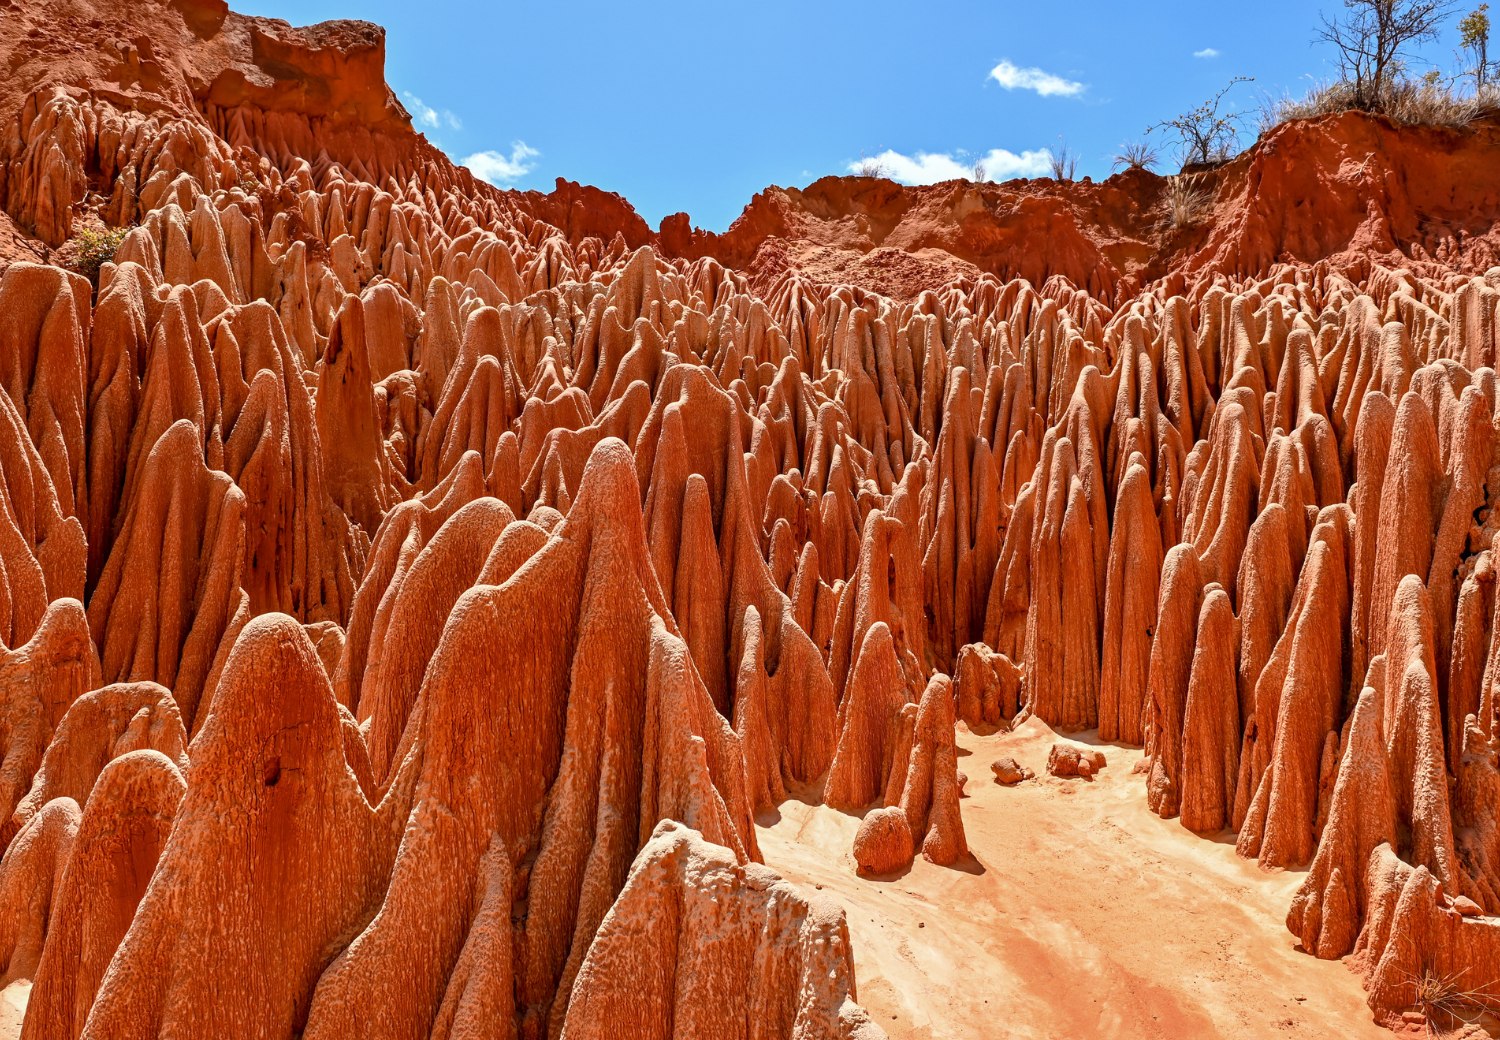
<point x="411" y="587"/>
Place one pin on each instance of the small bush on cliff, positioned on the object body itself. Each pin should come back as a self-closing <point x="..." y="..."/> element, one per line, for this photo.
<point x="1064" y="163"/>
<point x="1208" y="133"/>
<point x="91" y="249"/>
<point x="1138" y="155"/>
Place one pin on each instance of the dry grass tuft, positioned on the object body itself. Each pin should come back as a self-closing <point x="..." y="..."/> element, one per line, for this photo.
<point x="1446" y="1002"/>
<point x="1188" y="201"/>
<point x="1137" y="155"/>
<point x="1408" y="103"/>
<point x="1064" y="163"/>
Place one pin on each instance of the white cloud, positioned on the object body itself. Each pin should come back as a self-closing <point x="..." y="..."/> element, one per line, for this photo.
<point x="500" y="169"/>
<point x="1207" y="52"/>
<point x="421" y="113"/>
<point x="424" y="114"/>
<point x="1001" y="164"/>
<point x="1013" y="77"/>
<point x="931" y="167"/>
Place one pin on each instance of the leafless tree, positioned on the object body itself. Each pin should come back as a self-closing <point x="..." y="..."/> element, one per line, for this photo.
<point x="1373" y="36"/>
<point x="1207" y="133"/>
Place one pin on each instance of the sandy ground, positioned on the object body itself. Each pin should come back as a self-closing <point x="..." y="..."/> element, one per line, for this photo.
<point x="13" y="1008"/>
<point x="1080" y="914"/>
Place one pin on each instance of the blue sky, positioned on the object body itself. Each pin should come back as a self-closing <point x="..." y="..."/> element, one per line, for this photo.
<point x="696" y="106"/>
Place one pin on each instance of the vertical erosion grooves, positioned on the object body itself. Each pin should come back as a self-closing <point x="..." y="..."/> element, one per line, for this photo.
<point x="411" y="593"/>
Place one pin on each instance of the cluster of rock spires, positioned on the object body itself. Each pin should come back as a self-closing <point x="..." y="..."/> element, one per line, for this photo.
<point x="411" y="592"/>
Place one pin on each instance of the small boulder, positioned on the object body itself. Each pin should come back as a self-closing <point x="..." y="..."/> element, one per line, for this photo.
<point x="1009" y="772"/>
<point x="1466" y="907"/>
<point x="883" y="844"/>
<point x="1071" y="760"/>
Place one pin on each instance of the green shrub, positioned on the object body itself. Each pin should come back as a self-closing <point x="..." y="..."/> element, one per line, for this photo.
<point x="91" y="248"/>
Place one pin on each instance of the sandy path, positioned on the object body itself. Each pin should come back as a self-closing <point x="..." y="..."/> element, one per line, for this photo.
<point x="1081" y="915"/>
<point x="13" y="1008"/>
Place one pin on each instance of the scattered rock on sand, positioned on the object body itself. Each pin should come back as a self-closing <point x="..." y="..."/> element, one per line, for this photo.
<point x="1009" y="772"/>
<point x="1071" y="760"/>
